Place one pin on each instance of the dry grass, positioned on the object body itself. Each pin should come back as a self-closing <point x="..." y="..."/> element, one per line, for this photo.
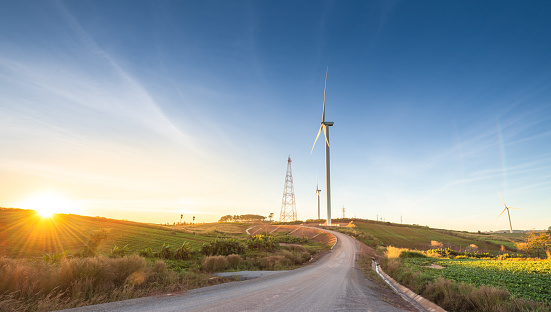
<point x="436" y="244"/>
<point x="234" y="260"/>
<point x="215" y="263"/>
<point x="393" y="252"/>
<point x="39" y="286"/>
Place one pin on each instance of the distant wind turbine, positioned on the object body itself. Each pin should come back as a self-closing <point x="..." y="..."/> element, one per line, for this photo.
<point x="325" y="127"/>
<point x="318" y="191"/>
<point x="509" y="215"/>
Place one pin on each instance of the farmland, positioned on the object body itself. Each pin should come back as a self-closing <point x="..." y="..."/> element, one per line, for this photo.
<point x="528" y="279"/>
<point x="24" y="234"/>
<point x="419" y="237"/>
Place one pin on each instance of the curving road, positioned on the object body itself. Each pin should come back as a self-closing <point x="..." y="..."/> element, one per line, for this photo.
<point x="333" y="283"/>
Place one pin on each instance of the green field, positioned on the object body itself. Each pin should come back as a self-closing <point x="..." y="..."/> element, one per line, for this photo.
<point x="420" y="237"/>
<point x="528" y="279"/>
<point x="24" y="234"/>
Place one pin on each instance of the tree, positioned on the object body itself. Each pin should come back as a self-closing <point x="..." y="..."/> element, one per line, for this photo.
<point x="271" y="215"/>
<point x="536" y="243"/>
<point x="226" y="218"/>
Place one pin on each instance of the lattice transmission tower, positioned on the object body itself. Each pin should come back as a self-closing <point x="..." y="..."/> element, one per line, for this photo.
<point x="288" y="206"/>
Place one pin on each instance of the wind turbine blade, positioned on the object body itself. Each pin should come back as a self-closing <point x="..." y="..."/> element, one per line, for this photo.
<point x="324" y="88"/>
<point x="501" y="199"/>
<point x="317" y="136"/>
<point x="501" y="213"/>
<point x="516" y="208"/>
<point x="325" y="135"/>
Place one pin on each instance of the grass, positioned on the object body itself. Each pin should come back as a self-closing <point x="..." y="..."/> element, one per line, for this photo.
<point x="457" y="295"/>
<point x="420" y="237"/>
<point x="44" y="266"/>
<point x="24" y="234"/>
<point x="528" y="279"/>
<point x="463" y="285"/>
<point x="40" y="286"/>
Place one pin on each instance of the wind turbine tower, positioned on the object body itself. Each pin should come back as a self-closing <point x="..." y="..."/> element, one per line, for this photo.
<point x="325" y="127"/>
<point x="288" y="206"/>
<point x="318" y="191"/>
<point x="508" y="214"/>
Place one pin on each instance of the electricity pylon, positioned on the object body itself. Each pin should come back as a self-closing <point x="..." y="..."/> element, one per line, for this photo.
<point x="288" y="206"/>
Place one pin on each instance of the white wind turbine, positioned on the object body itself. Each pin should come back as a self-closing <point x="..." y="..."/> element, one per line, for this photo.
<point x="325" y="127"/>
<point x="509" y="215"/>
<point x="318" y="191"/>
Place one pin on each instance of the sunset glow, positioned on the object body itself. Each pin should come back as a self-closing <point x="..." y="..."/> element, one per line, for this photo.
<point x="47" y="204"/>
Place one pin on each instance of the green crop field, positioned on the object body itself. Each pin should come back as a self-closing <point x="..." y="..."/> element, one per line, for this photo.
<point x="25" y="234"/>
<point x="420" y="237"/>
<point x="528" y="279"/>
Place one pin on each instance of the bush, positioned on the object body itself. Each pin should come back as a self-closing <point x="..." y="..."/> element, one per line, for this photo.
<point x="94" y="240"/>
<point x="214" y="263"/>
<point x="146" y="252"/>
<point x="234" y="260"/>
<point x="222" y="246"/>
<point x="117" y="252"/>
<point x="262" y="242"/>
<point x="412" y="254"/>
<point x="184" y="252"/>
<point x="166" y="252"/>
<point x="297" y="257"/>
<point x="55" y="257"/>
<point x="289" y="239"/>
<point x="393" y="252"/>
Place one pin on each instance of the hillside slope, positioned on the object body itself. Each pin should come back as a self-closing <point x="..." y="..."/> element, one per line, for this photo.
<point x="23" y="233"/>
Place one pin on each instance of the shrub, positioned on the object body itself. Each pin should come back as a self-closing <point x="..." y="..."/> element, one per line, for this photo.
<point x="393" y="252"/>
<point x="222" y="246"/>
<point x="295" y="248"/>
<point x="443" y="252"/>
<point x="184" y="252"/>
<point x="262" y="242"/>
<point x="119" y="252"/>
<point x="94" y="240"/>
<point x="234" y="260"/>
<point x="297" y="257"/>
<point x="166" y="252"/>
<point x="436" y="244"/>
<point x="412" y="254"/>
<point x="55" y="257"/>
<point x="214" y="263"/>
<point x="293" y="239"/>
<point x="146" y="252"/>
<point x="273" y="262"/>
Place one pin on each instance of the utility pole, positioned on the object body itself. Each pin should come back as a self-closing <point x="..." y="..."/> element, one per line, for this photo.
<point x="288" y="206"/>
<point x="343" y="211"/>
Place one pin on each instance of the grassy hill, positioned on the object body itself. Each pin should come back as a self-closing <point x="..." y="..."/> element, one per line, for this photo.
<point x="23" y="233"/>
<point x="420" y="237"/>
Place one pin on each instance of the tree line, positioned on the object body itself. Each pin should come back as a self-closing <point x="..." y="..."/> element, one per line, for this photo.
<point x="242" y="218"/>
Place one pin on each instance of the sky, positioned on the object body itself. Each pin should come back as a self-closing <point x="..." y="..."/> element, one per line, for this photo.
<point x="147" y="110"/>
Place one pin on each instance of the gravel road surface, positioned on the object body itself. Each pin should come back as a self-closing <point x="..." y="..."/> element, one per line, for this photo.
<point x="333" y="283"/>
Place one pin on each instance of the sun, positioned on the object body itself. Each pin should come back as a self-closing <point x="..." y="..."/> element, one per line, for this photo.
<point x="47" y="204"/>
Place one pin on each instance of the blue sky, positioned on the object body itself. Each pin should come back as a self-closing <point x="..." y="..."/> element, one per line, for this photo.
<point x="143" y="110"/>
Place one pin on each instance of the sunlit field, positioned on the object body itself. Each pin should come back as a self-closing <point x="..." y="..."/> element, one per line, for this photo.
<point x="27" y="234"/>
